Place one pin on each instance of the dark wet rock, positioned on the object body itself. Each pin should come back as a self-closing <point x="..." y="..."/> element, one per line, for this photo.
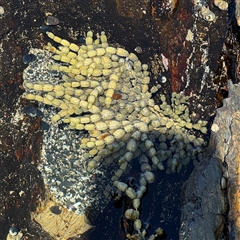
<point x="39" y="113"/>
<point x="45" y="29"/>
<point x="13" y="231"/>
<point x="44" y="126"/>
<point x="55" y="210"/>
<point x="52" y="21"/>
<point x="132" y="8"/>
<point x="30" y="111"/>
<point x="178" y="48"/>
<point x="81" y="39"/>
<point x="210" y="197"/>
<point x="91" y="215"/>
<point x="27" y="58"/>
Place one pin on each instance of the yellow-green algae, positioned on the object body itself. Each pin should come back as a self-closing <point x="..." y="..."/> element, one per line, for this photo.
<point x="110" y="87"/>
<point x="104" y="90"/>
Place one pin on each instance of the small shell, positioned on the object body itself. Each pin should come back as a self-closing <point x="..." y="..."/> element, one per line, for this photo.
<point x="131" y="214"/>
<point x="152" y="152"/>
<point x="91" y="165"/>
<point x="148" y="144"/>
<point x="89" y="127"/>
<point x="162" y="79"/>
<point x="131" y="145"/>
<point x="138" y="49"/>
<point x="113" y="124"/>
<point x="223" y="183"/>
<point x="141" y="126"/>
<point x="143" y="181"/>
<point x="143" y="159"/>
<point x="130" y="192"/>
<point x="52" y="20"/>
<point x="119" y="133"/>
<point x="222" y="5"/>
<point x="13" y="231"/>
<point x="103" y="136"/>
<point x="27" y="58"/>
<point x="116" y="96"/>
<point x="111" y="50"/>
<point x="145" y="167"/>
<point x="141" y="191"/>
<point x="136" y="135"/>
<point x="95" y="118"/>
<point x="119" y="173"/>
<point x="165" y="62"/>
<point x="100" y="51"/>
<point x="112" y="84"/>
<point x="103" y="37"/>
<point x="114" y="77"/>
<point x="215" y="128"/>
<point x="175" y="164"/>
<point x="47" y="87"/>
<point x="109" y="139"/>
<point x="160" y="166"/>
<point x="120" y="185"/>
<point x="109" y="92"/>
<point x="155" y="123"/>
<point x="122" y="52"/>
<point x="79" y="126"/>
<point x="207" y="14"/>
<point x="129" y="128"/>
<point x="124" y="166"/>
<point x="102" y="126"/>
<point x="149" y="177"/>
<point x="107" y="114"/>
<point x="128" y="156"/>
<point x="84" y="120"/>
<point x="1" y="10"/>
<point x="145" y="111"/>
<point x="155" y="160"/>
<point x="137" y="224"/>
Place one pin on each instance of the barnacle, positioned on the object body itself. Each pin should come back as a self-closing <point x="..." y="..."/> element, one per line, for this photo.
<point x="221" y="4"/>
<point x="204" y="12"/>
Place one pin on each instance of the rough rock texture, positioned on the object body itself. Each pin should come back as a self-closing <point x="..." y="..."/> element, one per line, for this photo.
<point x="228" y="142"/>
<point x="204" y="202"/>
<point x="20" y="30"/>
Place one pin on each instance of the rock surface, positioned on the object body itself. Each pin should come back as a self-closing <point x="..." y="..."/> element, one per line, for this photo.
<point x="20" y="30"/>
<point x="227" y="144"/>
<point x="205" y="200"/>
